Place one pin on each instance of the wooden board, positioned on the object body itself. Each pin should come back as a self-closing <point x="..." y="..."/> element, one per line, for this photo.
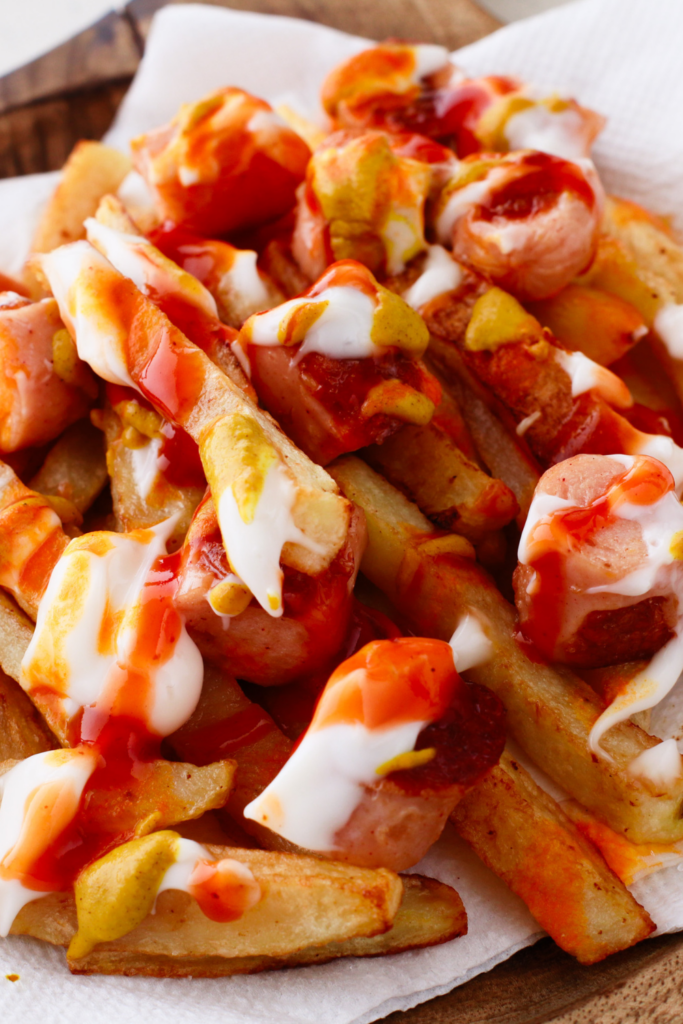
<point x="72" y="93"/>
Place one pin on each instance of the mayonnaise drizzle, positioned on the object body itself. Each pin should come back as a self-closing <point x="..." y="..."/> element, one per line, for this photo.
<point x="188" y="853"/>
<point x="147" y="463"/>
<point x="64" y="773"/>
<point x="254" y="548"/>
<point x="342" y="331"/>
<point x="321" y="785"/>
<point x="587" y="375"/>
<point x="65" y="653"/>
<point x="73" y="272"/>
<point x="149" y="270"/>
<point x="661" y="765"/>
<point x="440" y="274"/>
<point x="669" y="326"/>
<point x="559" y="132"/>
<point x="471" y="646"/>
<point x="428" y="58"/>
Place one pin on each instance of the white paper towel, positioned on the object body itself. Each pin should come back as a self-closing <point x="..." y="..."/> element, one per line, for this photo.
<point x="619" y="56"/>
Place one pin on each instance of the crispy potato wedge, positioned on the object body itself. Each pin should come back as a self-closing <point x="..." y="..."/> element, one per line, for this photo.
<point x="16" y="630"/>
<point x="451" y="489"/>
<point x="162" y="793"/>
<point x="648" y="240"/>
<point x="226" y="723"/>
<point x="22" y="731"/>
<point x="430" y="913"/>
<point x="134" y="509"/>
<point x="504" y="453"/>
<point x="305" y="902"/>
<point x="602" y="326"/>
<point x="75" y="467"/>
<point x="524" y="836"/>
<point x="550" y="710"/>
<point x="91" y="171"/>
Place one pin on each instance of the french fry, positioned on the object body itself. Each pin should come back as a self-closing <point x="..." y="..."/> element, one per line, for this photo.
<point x="160" y="794"/>
<point x="550" y="710"/>
<point x="22" y="730"/>
<point x="506" y="456"/>
<point x="16" y="630"/>
<point x="524" y="836"/>
<point x="602" y="326"/>
<point x="305" y="902"/>
<point x="91" y="171"/>
<point x="648" y="240"/>
<point x="226" y="723"/>
<point x="430" y="913"/>
<point x="452" y="490"/>
<point x="75" y="467"/>
<point x="210" y="406"/>
<point x="134" y="509"/>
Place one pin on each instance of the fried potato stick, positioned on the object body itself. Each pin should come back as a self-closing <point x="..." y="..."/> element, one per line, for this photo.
<point x="524" y="836"/>
<point x="550" y="710"/>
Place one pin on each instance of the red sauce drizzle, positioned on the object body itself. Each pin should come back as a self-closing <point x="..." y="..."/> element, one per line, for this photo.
<point x="569" y="529"/>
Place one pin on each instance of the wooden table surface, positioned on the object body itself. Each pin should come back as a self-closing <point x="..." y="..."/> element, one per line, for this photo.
<point x="73" y="93"/>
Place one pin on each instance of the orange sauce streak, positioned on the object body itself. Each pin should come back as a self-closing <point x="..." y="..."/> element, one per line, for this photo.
<point x="222" y="893"/>
<point x="389" y="683"/>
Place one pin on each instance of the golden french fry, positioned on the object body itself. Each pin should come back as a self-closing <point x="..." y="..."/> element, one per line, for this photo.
<point x="453" y="491"/>
<point x="430" y="913"/>
<point x="499" y="447"/>
<point x="91" y="171"/>
<point x="22" y="731"/>
<point x="524" y="836"/>
<point x="16" y="630"/>
<point x="75" y="468"/>
<point x="305" y="902"/>
<point x="134" y="508"/>
<point x="602" y="326"/>
<point x="550" y="710"/>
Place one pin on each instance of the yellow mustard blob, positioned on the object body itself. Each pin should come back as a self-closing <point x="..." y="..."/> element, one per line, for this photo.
<point x="403" y="762"/>
<point x="116" y="893"/>
<point x="229" y="597"/>
<point x="490" y="130"/>
<point x="236" y="453"/>
<point x="395" y="323"/>
<point x="498" y="319"/>
<point x="394" y="398"/>
<point x="296" y="324"/>
<point x="676" y="547"/>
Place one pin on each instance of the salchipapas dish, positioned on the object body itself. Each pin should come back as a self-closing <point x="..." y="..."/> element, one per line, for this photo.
<point x="340" y="504"/>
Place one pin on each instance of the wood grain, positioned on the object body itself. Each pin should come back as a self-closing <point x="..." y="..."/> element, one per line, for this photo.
<point x="72" y="93"/>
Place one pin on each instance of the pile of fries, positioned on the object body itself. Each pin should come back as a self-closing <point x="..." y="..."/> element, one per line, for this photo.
<point x="332" y="459"/>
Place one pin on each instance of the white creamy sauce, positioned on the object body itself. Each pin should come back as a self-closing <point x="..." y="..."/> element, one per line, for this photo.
<point x="462" y="200"/>
<point x="254" y="548"/>
<point x="12" y="300"/>
<point x="559" y="133"/>
<point x="147" y="463"/>
<point x="66" y="772"/>
<point x="665" y="449"/>
<point x="134" y="192"/>
<point x="471" y="646"/>
<point x="527" y="422"/>
<point x="669" y="326"/>
<point x="188" y="853"/>
<point x="73" y="272"/>
<point x="149" y="270"/>
<point x="342" y="331"/>
<point x="321" y="785"/>
<point x="661" y="765"/>
<point x="587" y="375"/>
<point x="403" y="235"/>
<point x="542" y="508"/>
<point x="244" y="279"/>
<point x="440" y="274"/>
<point x="265" y="121"/>
<point x="428" y="58"/>
<point x="112" y="585"/>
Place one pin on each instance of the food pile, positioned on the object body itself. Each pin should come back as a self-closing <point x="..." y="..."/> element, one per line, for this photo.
<point x="342" y="475"/>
